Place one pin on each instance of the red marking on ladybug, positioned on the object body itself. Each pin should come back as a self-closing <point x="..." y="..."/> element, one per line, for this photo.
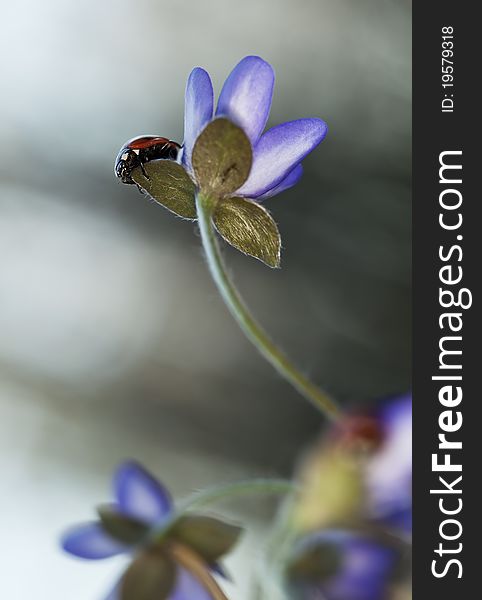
<point x="141" y="150"/>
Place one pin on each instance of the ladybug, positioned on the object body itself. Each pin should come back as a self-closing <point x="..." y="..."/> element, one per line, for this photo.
<point x="140" y="150"/>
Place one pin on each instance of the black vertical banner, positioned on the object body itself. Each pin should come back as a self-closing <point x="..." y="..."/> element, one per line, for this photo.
<point x="447" y="235"/>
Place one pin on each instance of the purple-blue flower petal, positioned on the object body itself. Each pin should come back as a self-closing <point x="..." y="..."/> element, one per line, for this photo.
<point x="246" y="96"/>
<point x="198" y="111"/>
<point x="289" y="181"/>
<point x="367" y="569"/>
<point x="89" y="541"/>
<point x="219" y="569"/>
<point x="389" y="473"/>
<point x="278" y="151"/>
<point x="399" y="517"/>
<point x="140" y="495"/>
<point x="188" y="588"/>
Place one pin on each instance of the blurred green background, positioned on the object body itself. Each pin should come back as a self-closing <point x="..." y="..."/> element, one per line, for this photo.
<point x="113" y="342"/>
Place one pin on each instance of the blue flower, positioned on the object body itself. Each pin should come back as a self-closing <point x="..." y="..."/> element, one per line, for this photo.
<point x="354" y="553"/>
<point x="337" y="564"/>
<point x="383" y="436"/>
<point x="245" y="100"/>
<point x="174" y="555"/>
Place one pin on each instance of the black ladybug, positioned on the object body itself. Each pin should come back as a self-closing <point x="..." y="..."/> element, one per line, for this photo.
<point x="140" y="150"/>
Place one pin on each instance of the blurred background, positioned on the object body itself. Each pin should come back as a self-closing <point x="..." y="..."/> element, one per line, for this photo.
<point x="113" y="342"/>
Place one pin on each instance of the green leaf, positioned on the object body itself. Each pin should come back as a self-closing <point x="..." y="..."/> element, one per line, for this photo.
<point x="316" y="563"/>
<point x="125" y="529"/>
<point x="150" y="577"/>
<point x="207" y="536"/>
<point x="249" y="227"/>
<point x="222" y="158"/>
<point x="169" y="185"/>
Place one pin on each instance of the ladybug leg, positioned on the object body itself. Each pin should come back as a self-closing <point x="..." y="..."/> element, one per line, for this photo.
<point x="140" y="190"/>
<point x="144" y="172"/>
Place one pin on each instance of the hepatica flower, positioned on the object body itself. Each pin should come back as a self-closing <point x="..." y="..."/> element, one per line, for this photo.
<point x="364" y="469"/>
<point x="352" y="517"/>
<point x="229" y="163"/>
<point x="173" y="555"/>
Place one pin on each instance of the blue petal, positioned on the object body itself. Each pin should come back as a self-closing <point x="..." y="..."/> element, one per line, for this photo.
<point x="366" y="574"/>
<point x="389" y="472"/>
<point x="140" y="495"/>
<point x="399" y="517"/>
<point x="188" y="588"/>
<point x="278" y="152"/>
<point x="246" y="95"/>
<point x="89" y="541"/>
<point x="397" y="412"/>
<point x="198" y="111"/>
<point x="219" y="569"/>
<point x="289" y="181"/>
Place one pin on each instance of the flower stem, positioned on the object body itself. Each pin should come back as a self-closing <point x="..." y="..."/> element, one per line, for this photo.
<point x="222" y="492"/>
<point x="320" y="399"/>
<point x="238" y="488"/>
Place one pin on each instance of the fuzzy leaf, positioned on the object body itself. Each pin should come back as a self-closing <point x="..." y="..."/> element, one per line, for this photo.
<point x="317" y="563"/>
<point x="249" y="227"/>
<point x="208" y="537"/>
<point x="122" y="528"/>
<point x="222" y="158"/>
<point x="150" y="577"/>
<point x="169" y="185"/>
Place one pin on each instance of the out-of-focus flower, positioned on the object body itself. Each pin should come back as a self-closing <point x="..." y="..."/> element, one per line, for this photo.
<point x="174" y="555"/>
<point x="342" y="565"/>
<point x="230" y="162"/>
<point x="351" y="519"/>
<point x="361" y="470"/>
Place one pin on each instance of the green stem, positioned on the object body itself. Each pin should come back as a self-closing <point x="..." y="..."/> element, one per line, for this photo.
<point x="238" y="488"/>
<point x="218" y="493"/>
<point x="320" y="399"/>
